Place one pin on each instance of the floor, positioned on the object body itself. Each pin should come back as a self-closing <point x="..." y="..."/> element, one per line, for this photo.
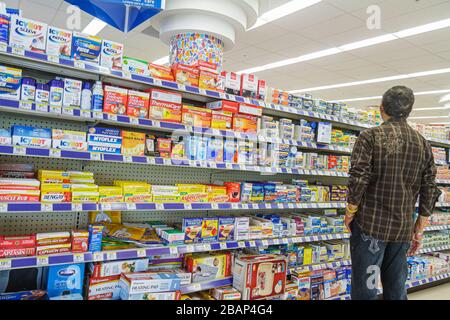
<point x="441" y="292"/>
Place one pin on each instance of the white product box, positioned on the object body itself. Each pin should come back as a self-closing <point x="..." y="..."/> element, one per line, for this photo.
<point x="104" y="288"/>
<point x="28" y="34"/>
<point x="111" y="56"/>
<point x="149" y="282"/>
<point x="249" y="86"/>
<point x="232" y="83"/>
<point x="59" y="42"/>
<point x="241" y="228"/>
<point x="72" y="93"/>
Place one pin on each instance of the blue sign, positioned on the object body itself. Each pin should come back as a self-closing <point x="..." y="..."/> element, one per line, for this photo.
<point x="124" y="15"/>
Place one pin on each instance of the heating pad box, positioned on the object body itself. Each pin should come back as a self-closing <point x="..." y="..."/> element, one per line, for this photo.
<point x="147" y="282"/>
<point x="259" y="276"/>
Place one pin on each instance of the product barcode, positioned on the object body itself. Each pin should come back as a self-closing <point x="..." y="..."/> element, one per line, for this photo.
<point x="79" y="64"/>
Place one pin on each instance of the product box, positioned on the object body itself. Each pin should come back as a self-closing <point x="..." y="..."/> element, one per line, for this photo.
<point x="232" y="83"/>
<point x="115" y="100"/>
<point x="215" y="150"/>
<point x="223" y="105"/>
<point x="165" y="106"/>
<point x="226" y="228"/>
<point x="137" y="104"/>
<point x="262" y="90"/>
<point x="80" y="241"/>
<point x="59" y="42"/>
<point x="192" y="193"/>
<point x="250" y="109"/>
<point x="25" y="295"/>
<point x="86" y="48"/>
<point x="241" y="228"/>
<point x="233" y="191"/>
<point x="154" y="296"/>
<point x="69" y="140"/>
<point x="28" y="34"/>
<point x="196" y="117"/>
<point x="112" y="55"/>
<point x="210" y="227"/>
<point x="186" y="75"/>
<point x="147" y="282"/>
<point x="221" y="120"/>
<point x="5" y="22"/>
<point x="65" y="279"/>
<point x="95" y="237"/>
<point x="229" y="151"/>
<point x="8" y="242"/>
<point x="106" y="140"/>
<point x="72" y="93"/>
<point x="135" y="66"/>
<point x="52" y="176"/>
<point x="115" y="268"/>
<point x="53" y="249"/>
<point x="160" y="72"/>
<point x="56" y="193"/>
<point x="31" y="136"/>
<point x="217" y="193"/>
<point x="10" y="81"/>
<point x="208" y="80"/>
<point x="133" y="143"/>
<point x="52" y="238"/>
<point x="209" y="266"/>
<point x="192" y="228"/>
<point x="110" y="194"/>
<point x="249" y="86"/>
<point x="245" y="123"/>
<point x="17" y="252"/>
<point x="260" y="276"/>
<point x="105" y="288"/>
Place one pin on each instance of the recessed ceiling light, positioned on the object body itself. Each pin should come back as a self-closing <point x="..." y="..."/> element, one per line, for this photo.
<point x="423" y="93"/>
<point x="376" y="80"/>
<point x="162" y="61"/>
<point x="94" y="27"/>
<point x="282" y="11"/>
<point x="441" y="24"/>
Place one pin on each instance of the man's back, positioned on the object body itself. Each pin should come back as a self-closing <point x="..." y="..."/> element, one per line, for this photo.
<point x="394" y="161"/>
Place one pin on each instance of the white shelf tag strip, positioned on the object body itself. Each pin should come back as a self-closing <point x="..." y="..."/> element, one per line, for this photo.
<point x="78" y="258"/>
<point x="5" y="264"/>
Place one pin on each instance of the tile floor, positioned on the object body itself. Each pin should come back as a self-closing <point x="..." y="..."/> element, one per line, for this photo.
<point x="441" y="292"/>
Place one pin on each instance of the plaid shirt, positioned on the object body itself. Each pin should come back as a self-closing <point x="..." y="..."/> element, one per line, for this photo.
<point x="392" y="165"/>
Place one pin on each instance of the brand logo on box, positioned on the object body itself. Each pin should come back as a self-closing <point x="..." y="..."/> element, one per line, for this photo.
<point x="28" y="29"/>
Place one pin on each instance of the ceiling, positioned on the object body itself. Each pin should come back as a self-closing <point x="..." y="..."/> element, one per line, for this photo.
<point x="327" y="24"/>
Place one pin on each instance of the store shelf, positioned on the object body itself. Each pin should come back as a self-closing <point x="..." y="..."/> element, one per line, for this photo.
<point x="442" y="204"/>
<point x="201" y="286"/>
<point x="156" y="161"/>
<point x="436" y="228"/>
<point x="417" y="283"/>
<point x="320" y="266"/>
<point x="435" y="249"/>
<point x="128" y="206"/>
<point x="57" y="259"/>
<point x="442" y="181"/>
<point x="441" y="162"/>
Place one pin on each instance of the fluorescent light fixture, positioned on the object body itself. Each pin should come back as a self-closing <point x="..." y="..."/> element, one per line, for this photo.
<point x="423" y="93"/>
<point x="437" y="117"/>
<point x="162" y="61"/>
<point x="376" y="80"/>
<point x="282" y="11"/>
<point x="445" y="98"/>
<point x="94" y="27"/>
<point x="440" y="123"/>
<point x="446" y="107"/>
<point x="441" y="24"/>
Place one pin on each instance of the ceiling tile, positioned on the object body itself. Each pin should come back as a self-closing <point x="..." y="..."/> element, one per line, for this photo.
<point x="333" y="26"/>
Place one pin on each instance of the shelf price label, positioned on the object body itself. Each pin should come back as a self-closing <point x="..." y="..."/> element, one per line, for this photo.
<point x="41" y="107"/>
<point x="3" y="207"/>
<point x="127" y="159"/>
<point x="3" y="47"/>
<point x="78" y="258"/>
<point x="141" y="253"/>
<point x="196" y="287"/>
<point x="131" y="206"/>
<point x="55" y="153"/>
<point x="97" y="256"/>
<point x="52" y="58"/>
<point x="223" y="246"/>
<point x="159" y="206"/>
<point x="85" y="114"/>
<point x="42" y="261"/>
<point x="20" y="151"/>
<point x="111" y="256"/>
<point x="106" y="206"/>
<point x="134" y="120"/>
<point x="252" y="244"/>
<point x="77" y="207"/>
<point x="5" y="264"/>
<point x="173" y="250"/>
<point x="26" y="105"/>
<point x="46" y="207"/>
<point x="98" y="115"/>
<point x="95" y="156"/>
<point x="241" y="244"/>
<point x="79" y="64"/>
<point x="265" y="243"/>
<point x="18" y="51"/>
<point x="126" y="74"/>
<point x="190" y="248"/>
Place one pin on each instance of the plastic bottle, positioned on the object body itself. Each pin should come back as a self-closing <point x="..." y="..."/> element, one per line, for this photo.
<point x="28" y="89"/>
<point x="86" y="96"/>
<point x="97" y="96"/>
<point x="42" y="93"/>
<point x="56" y="92"/>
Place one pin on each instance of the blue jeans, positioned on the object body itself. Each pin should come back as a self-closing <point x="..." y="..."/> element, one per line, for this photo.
<point x="372" y="257"/>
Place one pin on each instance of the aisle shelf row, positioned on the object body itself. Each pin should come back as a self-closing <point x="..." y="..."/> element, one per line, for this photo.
<point x="436" y="228"/>
<point x="95" y="117"/>
<point x="67" y="258"/>
<point x="320" y="266"/>
<point x="202" y="286"/>
<point x="434" y="249"/>
<point x="150" y="206"/>
<point x="146" y="160"/>
<point x="442" y="181"/>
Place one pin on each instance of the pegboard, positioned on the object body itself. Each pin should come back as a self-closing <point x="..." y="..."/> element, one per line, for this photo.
<point x="26" y="223"/>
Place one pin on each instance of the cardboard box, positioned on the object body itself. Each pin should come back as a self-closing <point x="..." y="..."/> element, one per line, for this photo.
<point x="250" y="109"/>
<point x="192" y="228"/>
<point x="148" y="282"/>
<point x="11" y="82"/>
<point x="196" y="117"/>
<point x="232" y="83"/>
<point x="210" y="227"/>
<point x="59" y="42"/>
<point x="115" y="268"/>
<point x="137" y="104"/>
<point x="209" y="266"/>
<point x="115" y="100"/>
<point x="245" y="123"/>
<point x="106" y="288"/>
<point x="208" y="80"/>
<point x="160" y="72"/>
<point x="112" y="55"/>
<point x="28" y="34"/>
<point x="223" y="105"/>
<point x="31" y="137"/>
<point x="249" y="86"/>
<point x="165" y="106"/>
<point x="133" y="143"/>
<point x="221" y="120"/>
<point x="186" y="75"/>
<point x="136" y="66"/>
<point x="86" y="48"/>
<point x="65" y="279"/>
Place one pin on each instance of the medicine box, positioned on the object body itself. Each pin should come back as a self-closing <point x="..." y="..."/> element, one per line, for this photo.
<point x="111" y="55"/>
<point x="133" y="143"/>
<point x="249" y="86"/>
<point x="86" y="48"/>
<point x="137" y="104"/>
<point x="5" y="22"/>
<point x="31" y="136"/>
<point x="136" y="66"/>
<point x="72" y="93"/>
<point x="59" y="42"/>
<point x="10" y="80"/>
<point x="115" y="100"/>
<point x="65" y="279"/>
<point x="142" y="283"/>
<point x="192" y="228"/>
<point x="115" y="268"/>
<point x="226" y="228"/>
<point x="28" y="34"/>
<point x="165" y="106"/>
<point x="185" y="74"/>
<point x="5" y="137"/>
<point x="210" y="228"/>
<point x="232" y="83"/>
<point x="106" y="288"/>
<point x="160" y="72"/>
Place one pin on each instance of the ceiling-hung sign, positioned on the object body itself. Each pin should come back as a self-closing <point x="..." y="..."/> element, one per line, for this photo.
<point x="124" y="15"/>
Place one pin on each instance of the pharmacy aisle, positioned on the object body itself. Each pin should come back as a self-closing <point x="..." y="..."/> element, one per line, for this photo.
<point x="124" y="177"/>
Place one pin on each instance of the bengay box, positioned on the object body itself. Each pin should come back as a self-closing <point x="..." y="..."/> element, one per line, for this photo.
<point x="59" y="42"/>
<point x="106" y="140"/>
<point x="28" y="34"/>
<point x="10" y="79"/>
<point x="86" y="48"/>
<point x="112" y="55"/>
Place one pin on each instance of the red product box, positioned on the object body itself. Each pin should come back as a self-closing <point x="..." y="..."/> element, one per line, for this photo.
<point x="16" y="198"/>
<point x="160" y="72"/>
<point x="80" y="241"/>
<point x="115" y="100"/>
<point x="137" y="104"/>
<point x="249" y="86"/>
<point x="233" y="191"/>
<point x="186" y="75"/>
<point x="224" y="105"/>
<point x="165" y="106"/>
<point x="17" y="252"/>
<point x="208" y="80"/>
<point x="245" y="123"/>
<point x="10" y="242"/>
<point x="203" y="65"/>
<point x="250" y="109"/>
<point x="332" y="162"/>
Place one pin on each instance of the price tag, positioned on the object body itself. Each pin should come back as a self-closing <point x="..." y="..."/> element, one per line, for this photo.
<point x="127" y="159"/>
<point x="285" y="241"/>
<point x="5" y="264"/>
<point x="131" y="206"/>
<point x="276" y="241"/>
<point x="241" y="244"/>
<point x="196" y="287"/>
<point x="52" y="58"/>
<point x="20" y="151"/>
<point x="291" y="206"/>
<point x="141" y="253"/>
<point x="112" y="117"/>
<point x="77" y="207"/>
<point x="265" y="243"/>
<point x="3" y="207"/>
<point x="235" y="205"/>
<point x="150" y="160"/>
<point x="95" y="156"/>
<point x="134" y="120"/>
<point x="207" y="247"/>
<point x="46" y="207"/>
<point x="188" y="206"/>
<point x="3" y="47"/>
<point x="159" y="206"/>
<point x="78" y="258"/>
<point x="79" y="64"/>
<point x="42" y="261"/>
<point x="167" y="162"/>
<point x="106" y="206"/>
<point x="25" y="105"/>
<point x="214" y="206"/>
<point x="85" y="114"/>
<point x="111" y="256"/>
<point x="98" y="115"/>
<point x="190" y="248"/>
<point x="157" y="82"/>
<point x="55" y="153"/>
<point x="126" y="74"/>
<point x="18" y="51"/>
<point x="41" y="107"/>
<point x="223" y="246"/>
<point x="97" y="256"/>
<point x="173" y="250"/>
<point x="252" y="244"/>
<point x="54" y="109"/>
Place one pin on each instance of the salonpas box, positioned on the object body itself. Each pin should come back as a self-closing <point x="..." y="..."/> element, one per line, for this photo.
<point x="147" y="282"/>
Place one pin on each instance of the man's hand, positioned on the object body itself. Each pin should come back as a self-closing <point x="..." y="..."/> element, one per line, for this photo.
<point x="418" y="235"/>
<point x="348" y="220"/>
<point x="350" y="215"/>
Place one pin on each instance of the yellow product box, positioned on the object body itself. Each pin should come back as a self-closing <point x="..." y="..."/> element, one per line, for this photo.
<point x="105" y="216"/>
<point x="51" y="176"/>
<point x="80" y="175"/>
<point x="210" y="229"/>
<point x="190" y="188"/>
<point x="110" y="194"/>
<point x="84" y="196"/>
<point x="191" y="193"/>
<point x="166" y="198"/>
<point x="84" y="187"/>
<point x="133" y="143"/>
<point x="307" y="256"/>
<point x="56" y="192"/>
<point x="135" y="191"/>
<point x="217" y="194"/>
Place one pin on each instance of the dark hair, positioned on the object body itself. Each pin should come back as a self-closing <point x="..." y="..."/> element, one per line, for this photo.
<point x="398" y="102"/>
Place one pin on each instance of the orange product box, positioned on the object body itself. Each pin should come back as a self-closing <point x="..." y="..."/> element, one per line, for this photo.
<point x="203" y="65"/>
<point x="115" y="100"/>
<point x="250" y="109"/>
<point x="137" y="104"/>
<point x="165" y="106"/>
<point x="133" y="143"/>
<point x="164" y="147"/>
<point x="80" y="241"/>
<point x="245" y="123"/>
<point x="208" y="80"/>
<point x="222" y="120"/>
<point x="233" y="191"/>
<point x="224" y="105"/>
<point x="160" y="72"/>
<point x="197" y="117"/>
<point x="186" y="75"/>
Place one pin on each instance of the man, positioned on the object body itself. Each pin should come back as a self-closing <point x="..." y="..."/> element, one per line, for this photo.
<point x="392" y="166"/>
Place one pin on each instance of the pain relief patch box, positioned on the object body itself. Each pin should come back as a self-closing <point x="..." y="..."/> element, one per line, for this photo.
<point x="31" y="136"/>
<point x="115" y="100"/>
<point x="86" y="48"/>
<point x="259" y="276"/>
<point x="115" y="268"/>
<point x="160" y="72"/>
<point x="105" y="288"/>
<point x="112" y="55"/>
<point x="28" y="34"/>
<point x="147" y="282"/>
<point x="187" y="75"/>
<point x="59" y="42"/>
<point x="196" y="117"/>
<point x="165" y="106"/>
<point x="137" y="104"/>
<point x="133" y="143"/>
<point x="10" y="79"/>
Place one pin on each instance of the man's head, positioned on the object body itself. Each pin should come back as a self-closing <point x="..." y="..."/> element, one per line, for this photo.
<point x="397" y="103"/>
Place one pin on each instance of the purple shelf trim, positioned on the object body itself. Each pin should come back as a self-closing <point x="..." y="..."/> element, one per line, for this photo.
<point x="159" y="161"/>
<point x="7" y="149"/>
<point x="137" y="159"/>
<point x="117" y="73"/>
<point x="64" y="207"/>
<point x="9" y="103"/>
<point x="201" y="206"/>
<point x="89" y="206"/>
<point x="239" y="99"/>
<point x="123" y="119"/>
<point x="118" y="206"/>
<point x="142" y="79"/>
<point x="90" y="67"/>
<point x="170" y="84"/>
<point x="224" y="206"/>
<point x="63" y="259"/>
<point x="214" y="94"/>
<point x="172" y="126"/>
<point x="145" y="122"/>
<point x="75" y="155"/>
<point x="24" y="262"/>
<point x="37" y="152"/>
<point x="145" y="206"/>
<point x="192" y="89"/>
<point x="173" y="206"/>
<point x="24" y="207"/>
<point x="112" y="157"/>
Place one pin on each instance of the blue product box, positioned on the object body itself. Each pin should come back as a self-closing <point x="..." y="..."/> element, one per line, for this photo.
<point x="86" y="48"/>
<point x="229" y="151"/>
<point x="192" y="228"/>
<point x="191" y="148"/>
<point x="105" y="131"/>
<point x="13" y="11"/>
<point x="226" y="228"/>
<point x="65" y="280"/>
<point x="246" y="191"/>
<point x="202" y="147"/>
<point x="257" y="192"/>
<point x="215" y="150"/>
<point x="10" y="81"/>
<point x="104" y="149"/>
<point x="25" y="295"/>
<point x="95" y="237"/>
<point x="5" y="22"/>
<point x="270" y="193"/>
<point x="104" y="140"/>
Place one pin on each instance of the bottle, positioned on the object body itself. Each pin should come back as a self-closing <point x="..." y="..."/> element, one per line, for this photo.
<point x="42" y="93"/>
<point x="28" y="89"/>
<point x="97" y="97"/>
<point x="86" y="96"/>
<point x="56" y="95"/>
